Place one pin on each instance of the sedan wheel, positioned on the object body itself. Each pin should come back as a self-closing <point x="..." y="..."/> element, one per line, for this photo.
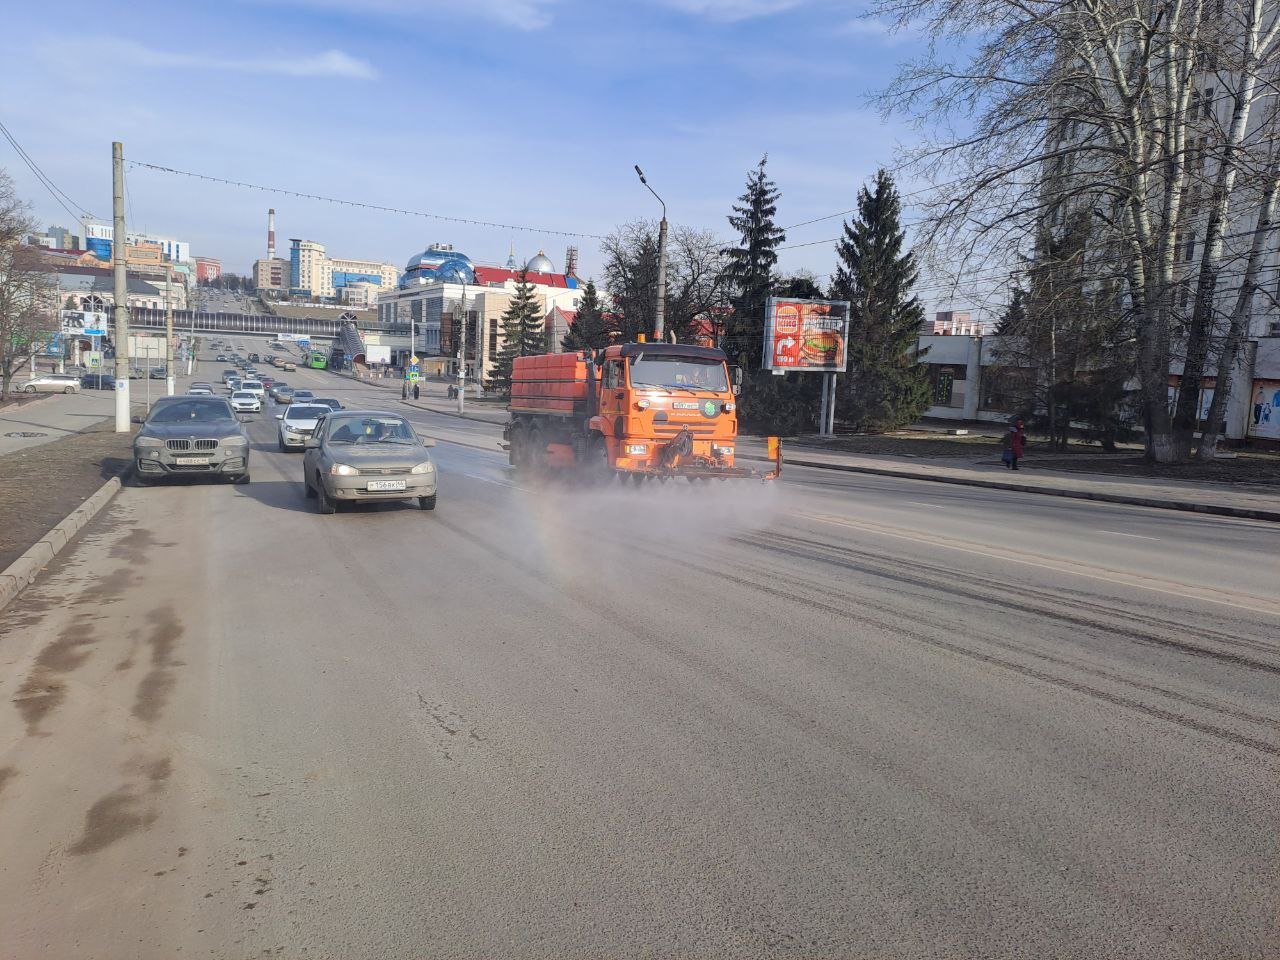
<point x="28" y="389"/>
<point x="69" y="390"/>
<point x="323" y="503"/>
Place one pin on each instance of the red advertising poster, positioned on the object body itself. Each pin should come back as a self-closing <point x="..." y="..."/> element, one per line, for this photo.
<point x="805" y="335"/>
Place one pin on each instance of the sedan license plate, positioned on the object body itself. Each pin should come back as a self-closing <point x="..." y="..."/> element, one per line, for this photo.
<point x="385" y="485"/>
<point x="192" y="461"/>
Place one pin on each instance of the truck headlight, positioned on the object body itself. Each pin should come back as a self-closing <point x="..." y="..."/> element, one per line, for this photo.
<point x="636" y="449"/>
<point x="425" y="467"/>
<point x="342" y="470"/>
<point x="730" y="407"/>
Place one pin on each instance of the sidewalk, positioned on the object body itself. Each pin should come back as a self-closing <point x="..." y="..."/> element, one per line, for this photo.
<point x="1234" y="500"/>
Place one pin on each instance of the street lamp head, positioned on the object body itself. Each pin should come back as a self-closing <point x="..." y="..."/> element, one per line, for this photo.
<point x="640" y="174"/>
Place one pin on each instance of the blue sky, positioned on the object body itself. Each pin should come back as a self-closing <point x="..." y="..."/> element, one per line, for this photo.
<point x="517" y="111"/>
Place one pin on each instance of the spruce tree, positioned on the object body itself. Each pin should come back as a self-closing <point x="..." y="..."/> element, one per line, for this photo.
<point x="750" y="267"/>
<point x="588" y="330"/>
<point x="885" y="385"/>
<point x="523" y="334"/>
<point x="768" y="403"/>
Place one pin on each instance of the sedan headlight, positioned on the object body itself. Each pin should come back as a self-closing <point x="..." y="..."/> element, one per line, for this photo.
<point x="425" y="467"/>
<point x="148" y="443"/>
<point x="342" y="470"/>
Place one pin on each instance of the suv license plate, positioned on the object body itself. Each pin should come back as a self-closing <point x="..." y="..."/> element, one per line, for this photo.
<point x="385" y="485"/>
<point x="192" y="461"/>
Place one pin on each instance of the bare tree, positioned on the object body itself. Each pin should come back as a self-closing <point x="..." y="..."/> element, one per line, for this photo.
<point x="1142" y="116"/>
<point x="28" y="305"/>
<point x="696" y="282"/>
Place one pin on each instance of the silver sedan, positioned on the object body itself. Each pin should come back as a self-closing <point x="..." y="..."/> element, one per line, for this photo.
<point x="367" y="455"/>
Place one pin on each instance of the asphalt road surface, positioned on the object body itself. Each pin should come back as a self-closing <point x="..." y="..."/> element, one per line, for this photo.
<point x="839" y="716"/>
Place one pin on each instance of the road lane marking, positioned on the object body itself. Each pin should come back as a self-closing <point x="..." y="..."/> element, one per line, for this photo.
<point x="1171" y="587"/>
<point x="1121" y="533"/>
<point x="921" y="503"/>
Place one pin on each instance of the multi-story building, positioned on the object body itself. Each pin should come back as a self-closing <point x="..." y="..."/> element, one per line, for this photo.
<point x="314" y="274"/>
<point x="271" y="275"/>
<point x="440" y="288"/>
<point x="175" y="251"/>
<point x="207" y="269"/>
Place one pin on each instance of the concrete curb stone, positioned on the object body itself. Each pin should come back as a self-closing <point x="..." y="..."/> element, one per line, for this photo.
<point x="22" y="572"/>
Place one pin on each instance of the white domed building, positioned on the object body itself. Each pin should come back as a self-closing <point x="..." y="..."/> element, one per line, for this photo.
<point x="433" y="288"/>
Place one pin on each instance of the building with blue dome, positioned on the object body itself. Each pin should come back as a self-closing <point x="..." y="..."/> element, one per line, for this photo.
<point x="439" y="263"/>
<point x="441" y="293"/>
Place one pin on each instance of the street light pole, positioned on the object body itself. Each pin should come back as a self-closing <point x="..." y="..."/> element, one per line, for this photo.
<point x="462" y="352"/>
<point x="168" y="328"/>
<point x="120" y="286"/>
<point x="660" y="308"/>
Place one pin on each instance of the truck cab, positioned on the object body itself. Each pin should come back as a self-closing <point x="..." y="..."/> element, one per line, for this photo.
<point x="663" y="405"/>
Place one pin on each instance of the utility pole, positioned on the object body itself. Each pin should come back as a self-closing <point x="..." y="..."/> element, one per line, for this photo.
<point x="462" y="352"/>
<point x="120" y="285"/>
<point x="660" y="308"/>
<point x="168" y="328"/>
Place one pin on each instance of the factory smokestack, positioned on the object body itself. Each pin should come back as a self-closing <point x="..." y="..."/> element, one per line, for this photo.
<point x="271" y="234"/>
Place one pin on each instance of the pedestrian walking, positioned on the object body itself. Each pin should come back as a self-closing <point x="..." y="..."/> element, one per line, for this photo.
<point x="1014" y="444"/>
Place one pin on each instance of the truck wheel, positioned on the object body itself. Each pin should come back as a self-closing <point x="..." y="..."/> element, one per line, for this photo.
<point x="597" y="469"/>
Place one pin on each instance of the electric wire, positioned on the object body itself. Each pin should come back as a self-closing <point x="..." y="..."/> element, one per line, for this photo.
<point x="363" y="204"/>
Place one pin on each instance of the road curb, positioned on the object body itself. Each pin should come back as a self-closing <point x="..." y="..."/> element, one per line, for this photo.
<point x="22" y="572"/>
<point x="1186" y="506"/>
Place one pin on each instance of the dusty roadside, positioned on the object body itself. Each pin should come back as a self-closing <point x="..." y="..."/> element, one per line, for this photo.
<point x="40" y="486"/>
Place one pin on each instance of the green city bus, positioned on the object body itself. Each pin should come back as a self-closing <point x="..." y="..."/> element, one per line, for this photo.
<point x="317" y="360"/>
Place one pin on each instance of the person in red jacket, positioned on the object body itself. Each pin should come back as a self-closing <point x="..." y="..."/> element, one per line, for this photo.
<point x="1014" y="444"/>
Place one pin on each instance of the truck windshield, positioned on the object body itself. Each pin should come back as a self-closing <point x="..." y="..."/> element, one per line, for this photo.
<point x="678" y="372"/>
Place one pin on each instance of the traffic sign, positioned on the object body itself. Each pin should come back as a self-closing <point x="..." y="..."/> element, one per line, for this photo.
<point x="94" y="332"/>
<point x="413" y="361"/>
<point x="94" y="359"/>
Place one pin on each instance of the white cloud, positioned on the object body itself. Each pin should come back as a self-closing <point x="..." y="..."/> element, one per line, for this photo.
<point x="732" y="10"/>
<point x="329" y="63"/>
<point x="520" y="14"/>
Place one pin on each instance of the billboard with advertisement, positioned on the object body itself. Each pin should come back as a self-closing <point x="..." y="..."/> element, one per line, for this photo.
<point x="1264" y="409"/>
<point x="377" y="354"/>
<point x="805" y="335"/>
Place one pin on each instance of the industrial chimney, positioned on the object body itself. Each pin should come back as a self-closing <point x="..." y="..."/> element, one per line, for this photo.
<point x="271" y="234"/>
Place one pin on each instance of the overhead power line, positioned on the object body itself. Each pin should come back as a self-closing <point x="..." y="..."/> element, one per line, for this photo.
<point x="364" y="205"/>
<point x="54" y="190"/>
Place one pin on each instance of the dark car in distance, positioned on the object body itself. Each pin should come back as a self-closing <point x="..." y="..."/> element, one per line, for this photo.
<point x="98" y="381"/>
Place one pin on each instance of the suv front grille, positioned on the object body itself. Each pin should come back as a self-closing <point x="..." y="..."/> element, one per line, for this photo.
<point x="189" y="444"/>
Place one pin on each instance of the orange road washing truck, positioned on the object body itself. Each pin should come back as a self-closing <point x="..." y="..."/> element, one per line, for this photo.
<point x="632" y="409"/>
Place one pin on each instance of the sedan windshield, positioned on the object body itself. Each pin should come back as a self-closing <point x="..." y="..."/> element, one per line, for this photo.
<point x="368" y="429"/>
<point x="305" y="413"/>
<point x="679" y="372"/>
<point x="190" y="411"/>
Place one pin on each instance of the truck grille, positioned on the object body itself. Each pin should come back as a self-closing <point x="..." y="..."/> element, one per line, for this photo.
<point x="191" y="444"/>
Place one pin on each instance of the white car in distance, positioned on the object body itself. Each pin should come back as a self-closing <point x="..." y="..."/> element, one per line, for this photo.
<point x="254" y="387"/>
<point x="244" y="401"/>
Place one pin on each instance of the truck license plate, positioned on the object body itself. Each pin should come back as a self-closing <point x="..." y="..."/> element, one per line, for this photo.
<point x="385" y="485"/>
<point x="191" y="461"/>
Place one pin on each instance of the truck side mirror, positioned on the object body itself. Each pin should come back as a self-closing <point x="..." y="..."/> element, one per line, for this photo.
<point x="737" y="389"/>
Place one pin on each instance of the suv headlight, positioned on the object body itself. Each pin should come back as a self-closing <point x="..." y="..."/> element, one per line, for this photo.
<point x="425" y="467"/>
<point x="148" y="443"/>
<point x="342" y="470"/>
